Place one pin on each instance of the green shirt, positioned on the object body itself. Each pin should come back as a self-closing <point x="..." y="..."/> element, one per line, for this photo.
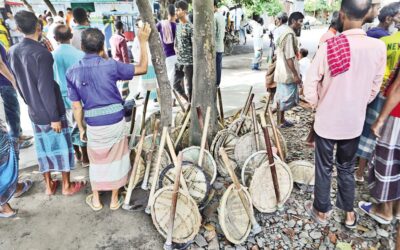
<point x="183" y="41"/>
<point x="219" y="29"/>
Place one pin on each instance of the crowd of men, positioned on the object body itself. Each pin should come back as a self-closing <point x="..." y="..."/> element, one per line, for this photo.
<point x="76" y="95"/>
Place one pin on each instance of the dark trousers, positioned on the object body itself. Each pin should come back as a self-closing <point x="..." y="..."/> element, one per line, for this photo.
<point x="345" y="162"/>
<point x="11" y="108"/>
<point x="181" y="72"/>
<point x="218" y="63"/>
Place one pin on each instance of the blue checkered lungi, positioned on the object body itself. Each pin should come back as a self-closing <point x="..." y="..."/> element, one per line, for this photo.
<point x="367" y="140"/>
<point x="54" y="150"/>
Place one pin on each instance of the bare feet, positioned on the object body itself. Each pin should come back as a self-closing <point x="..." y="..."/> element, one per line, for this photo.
<point x="7" y="210"/>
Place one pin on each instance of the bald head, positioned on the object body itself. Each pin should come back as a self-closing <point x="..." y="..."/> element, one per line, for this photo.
<point x="62" y="34"/>
<point x="356" y="9"/>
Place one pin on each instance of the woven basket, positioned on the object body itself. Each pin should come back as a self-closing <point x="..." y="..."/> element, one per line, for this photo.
<point x="209" y="166"/>
<point x="254" y="161"/>
<point x="281" y="139"/>
<point x="187" y="218"/>
<point x="246" y="127"/>
<point x="227" y="139"/>
<point x="141" y="167"/>
<point x="232" y="215"/>
<point x="179" y="118"/>
<point x="262" y="188"/>
<point x="303" y="172"/>
<point x="246" y="146"/>
<point x="150" y="122"/>
<point x="165" y="161"/>
<point x="196" y="181"/>
<point x="184" y="142"/>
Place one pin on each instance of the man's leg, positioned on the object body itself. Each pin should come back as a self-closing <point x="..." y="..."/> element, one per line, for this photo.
<point x="114" y="198"/>
<point x="189" y="78"/>
<point x="179" y="76"/>
<point x="323" y="174"/>
<point x="6" y="209"/>
<point x="219" y="67"/>
<point x="345" y="162"/>
<point x="384" y="210"/>
<point x="49" y="183"/>
<point x="11" y="107"/>
<point x="85" y="157"/>
<point x="362" y="164"/>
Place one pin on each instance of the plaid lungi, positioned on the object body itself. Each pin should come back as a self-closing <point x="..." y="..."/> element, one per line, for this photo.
<point x="367" y="139"/>
<point x="384" y="169"/>
<point x="287" y="95"/>
<point x="54" y="150"/>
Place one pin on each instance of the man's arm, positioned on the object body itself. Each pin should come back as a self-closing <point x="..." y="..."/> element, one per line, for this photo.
<point x="391" y="102"/>
<point x="290" y="56"/>
<point x="314" y="77"/>
<point x="46" y="89"/>
<point x="124" y="51"/>
<point x="5" y="71"/>
<point x="144" y="33"/>
<point x="78" y="115"/>
<point x="377" y="83"/>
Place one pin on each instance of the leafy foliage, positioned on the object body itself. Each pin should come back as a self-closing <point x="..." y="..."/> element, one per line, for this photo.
<point x="271" y="7"/>
<point x="321" y="5"/>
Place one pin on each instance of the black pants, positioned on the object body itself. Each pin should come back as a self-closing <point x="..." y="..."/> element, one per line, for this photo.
<point x="181" y="72"/>
<point x="345" y="162"/>
<point x="218" y="64"/>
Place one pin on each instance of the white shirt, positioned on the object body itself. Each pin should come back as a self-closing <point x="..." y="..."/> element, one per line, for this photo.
<point x="304" y="64"/>
<point x="258" y="33"/>
<point x="12" y="26"/>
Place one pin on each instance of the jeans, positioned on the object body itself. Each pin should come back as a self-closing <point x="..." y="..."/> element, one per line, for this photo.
<point x="11" y="107"/>
<point x="345" y="162"/>
<point x="182" y="71"/>
<point x="218" y="63"/>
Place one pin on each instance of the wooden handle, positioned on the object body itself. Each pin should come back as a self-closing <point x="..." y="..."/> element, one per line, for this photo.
<point x="247" y="100"/>
<point x="271" y="159"/>
<point x="174" y="200"/>
<point x="243" y="199"/>
<point x="133" y="118"/>
<point x="204" y="136"/>
<point x="255" y="125"/>
<point x="158" y="165"/>
<point x="185" y="114"/>
<point x="245" y="112"/>
<point x="179" y="100"/>
<point x="146" y="102"/>
<point x="134" y="169"/>
<point x="221" y="107"/>
<point x="175" y="161"/>
<point x="274" y="130"/>
<point x="201" y="122"/>
<point x="150" y="156"/>
<point x="185" y="123"/>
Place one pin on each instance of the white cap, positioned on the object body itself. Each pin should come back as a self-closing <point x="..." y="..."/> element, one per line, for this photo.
<point x="58" y="19"/>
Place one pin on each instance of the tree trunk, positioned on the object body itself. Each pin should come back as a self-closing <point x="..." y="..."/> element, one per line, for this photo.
<point x="27" y="5"/>
<point x="158" y="60"/>
<point x="51" y="7"/>
<point x="204" y="82"/>
<point x="163" y="9"/>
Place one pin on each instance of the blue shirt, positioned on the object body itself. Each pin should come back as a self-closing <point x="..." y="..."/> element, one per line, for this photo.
<point x="4" y="81"/>
<point x="94" y="82"/>
<point x="64" y="57"/>
<point x="377" y="32"/>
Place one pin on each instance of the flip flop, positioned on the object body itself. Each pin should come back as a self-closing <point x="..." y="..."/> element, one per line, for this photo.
<point x="119" y="204"/>
<point x="25" y="144"/>
<point x="354" y="225"/>
<point x="359" y="180"/>
<point x="54" y="189"/>
<point x="8" y="216"/>
<point x="89" y="201"/>
<point x="85" y="164"/>
<point x="78" y="186"/>
<point x="27" y="186"/>
<point x="311" y="212"/>
<point x="26" y="137"/>
<point x="366" y="208"/>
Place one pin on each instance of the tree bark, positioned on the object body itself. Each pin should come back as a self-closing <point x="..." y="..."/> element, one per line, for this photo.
<point x="163" y="9"/>
<point x="204" y="77"/>
<point x="51" y="7"/>
<point x="158" y="60"/>
<point x="27" y="5"/>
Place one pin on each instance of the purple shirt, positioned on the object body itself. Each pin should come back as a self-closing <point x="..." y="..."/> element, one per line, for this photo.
<point x="3" y="80"/>
<point x="169" y="49"/>
<point x="94" y="82"/>
<point x="377" y="32"/>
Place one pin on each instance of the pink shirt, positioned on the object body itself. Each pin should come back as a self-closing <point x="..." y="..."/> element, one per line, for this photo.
<point x="119" y="48"/>
<point x="341" y="102"/>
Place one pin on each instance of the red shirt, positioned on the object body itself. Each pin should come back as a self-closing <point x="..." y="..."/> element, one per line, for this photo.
<point x="119" y="48"/>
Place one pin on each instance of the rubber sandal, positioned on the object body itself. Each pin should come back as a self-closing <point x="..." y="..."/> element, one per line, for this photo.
<point x="287" y="124"/>
<point x="85" y="164"/>
<point x="25" y="144"/>
<point x="359" y="180"/>
<point x="366" y="208"/>
<point x="78" y="186"/>
<point x="89" y="201"/>
<point x="27" y="186"/>
<point x="119" y="204"/>
<point x="9" y="216"/>
<point x="354" y="225"/>
<point x="311" y="212"/>
<point x="54" y="189"/>
<point x="26" y="137"/>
